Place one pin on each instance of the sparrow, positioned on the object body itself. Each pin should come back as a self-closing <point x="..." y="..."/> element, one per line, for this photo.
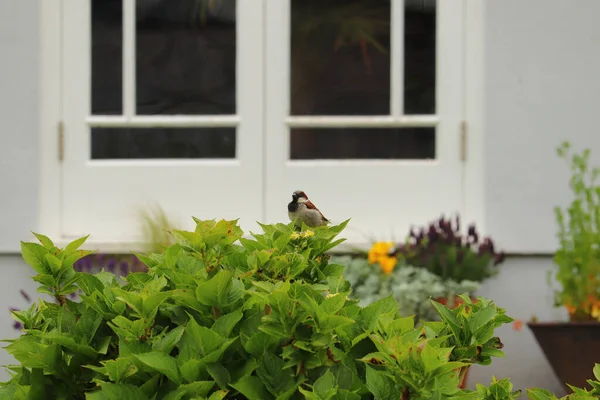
<point x="301" y="209"/>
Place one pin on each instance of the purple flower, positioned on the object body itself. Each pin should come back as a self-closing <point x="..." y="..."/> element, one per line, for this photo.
<point x="100" y="260"/>
<point x="112" y="263"/>
<point x="124" y="266"/>
<point x="17" y="325"/>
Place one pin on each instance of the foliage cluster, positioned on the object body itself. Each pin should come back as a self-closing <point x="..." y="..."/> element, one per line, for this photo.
<point x="220" y="316"/>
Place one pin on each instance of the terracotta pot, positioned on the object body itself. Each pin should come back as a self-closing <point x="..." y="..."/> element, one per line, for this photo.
<point x="571" y="349"/>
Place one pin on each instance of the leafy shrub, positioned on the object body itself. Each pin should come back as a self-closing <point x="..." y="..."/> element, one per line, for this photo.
<point x="219" y="316"/>
<point x="443" y="250"/>
<point x="412" y="287"/>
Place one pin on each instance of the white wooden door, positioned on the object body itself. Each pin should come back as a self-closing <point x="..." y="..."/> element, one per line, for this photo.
<point x="161" y="106"/>
<point x="364" y="106"/>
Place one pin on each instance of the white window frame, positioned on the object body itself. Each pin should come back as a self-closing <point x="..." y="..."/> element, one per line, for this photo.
<point x="50" y="192"/>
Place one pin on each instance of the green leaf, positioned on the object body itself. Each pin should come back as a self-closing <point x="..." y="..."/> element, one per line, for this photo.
<point x="151" y="304"/>
<point x="225" y="324"/>
<point x="76" y="244"/>
<point x="35" y="255"/>
<point x="219" y="374"/>
<point x="69" y="342"/>
<point x="111" y="391"/>
<point x="481" y="318"/>
<point x="45" y="279"/>
<point x="449" y="318"/>
<point x="381" y="385"/>
<point x="540" y="394"/>
<point x="200" y="342"/>
<point x="53" y="262"/>
<point x="221" y="291"/>
<point x="133" y="299"/>
<point x="89" y="283"/>
<point x="45" y="241"/>
<point x="597" y="371"/>
<point x="325" y="386"/>
<point x="169" y="341"/>
<point x="162" y="363"/>
<point x="252" y="388"/>
<point x="198" y="389"/>
<point x="120" y="368"/>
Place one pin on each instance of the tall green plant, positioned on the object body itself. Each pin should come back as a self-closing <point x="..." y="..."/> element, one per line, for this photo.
<point x="220" y="316"/>
<point x="578" y="256"/>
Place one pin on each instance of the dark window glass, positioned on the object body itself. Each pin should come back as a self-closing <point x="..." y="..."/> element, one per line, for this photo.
<point x="340" y="57"/>
<point x="157" y="143"/>
<point x="186" y="57"/>
<point x="363" y="143"/>
<point x="419" y="57"/>
<point x="107" y="57"/>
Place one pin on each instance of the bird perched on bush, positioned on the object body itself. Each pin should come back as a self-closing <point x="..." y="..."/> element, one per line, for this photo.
<point x="302" y="210"/>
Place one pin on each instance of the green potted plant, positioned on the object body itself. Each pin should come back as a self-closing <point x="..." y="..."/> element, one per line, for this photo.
<point x="572" y="347"/>
<point x="219" y="316"/>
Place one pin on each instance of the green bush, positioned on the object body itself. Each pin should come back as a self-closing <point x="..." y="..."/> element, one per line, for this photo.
<point x="219" y="316"/>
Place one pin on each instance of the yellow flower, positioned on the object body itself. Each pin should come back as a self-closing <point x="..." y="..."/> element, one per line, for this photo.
<point x="308" y="234"/>
<point x="387" y="264"/>
<point x="295" y="235"/>
<point x="379" y="253"/>
<point x="378" y="250"/>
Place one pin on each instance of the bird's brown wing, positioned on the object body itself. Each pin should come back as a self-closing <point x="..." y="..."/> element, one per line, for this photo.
<point x="311" y="206"/>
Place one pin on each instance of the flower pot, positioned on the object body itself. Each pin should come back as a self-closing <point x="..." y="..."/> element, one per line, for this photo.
<point x="571" y="348"/>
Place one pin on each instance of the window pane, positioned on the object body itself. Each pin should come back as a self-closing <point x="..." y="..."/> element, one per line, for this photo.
<point x="419" y="56"/>
<point x="363" y="143"/>
<point x="107" y="57"/>
<point x="340" y="62"/>
<point x="153" y="143"/>
<point x="186" y="57"/>
<point x="340" y="57"/>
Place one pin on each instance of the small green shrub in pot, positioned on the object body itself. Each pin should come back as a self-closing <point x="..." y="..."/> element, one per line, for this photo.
<point x="220" y="316"/>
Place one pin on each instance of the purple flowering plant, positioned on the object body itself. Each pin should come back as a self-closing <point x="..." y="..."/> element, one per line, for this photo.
<point x="442" y="249"/>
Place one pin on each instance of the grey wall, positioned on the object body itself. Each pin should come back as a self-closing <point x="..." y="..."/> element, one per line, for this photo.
<point x="19" y="116"/>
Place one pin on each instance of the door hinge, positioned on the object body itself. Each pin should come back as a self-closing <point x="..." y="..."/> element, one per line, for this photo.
<point x="61" y="141"/>
<point x="463" y="141"/>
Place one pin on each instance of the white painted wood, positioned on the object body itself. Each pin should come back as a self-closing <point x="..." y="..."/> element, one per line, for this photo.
<point x="409" y="121"/>
<point x="49" y="198"/>
<point x="103" y="198"/>
<point x="129" y="58"/>
<point x="160" y="121"/>
<point x="382" y="198"/>
<point x="397" y="58"/>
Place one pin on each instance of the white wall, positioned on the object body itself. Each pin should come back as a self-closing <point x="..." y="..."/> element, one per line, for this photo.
<point x="19" y="111"/>
<point x="541" y="87"/>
